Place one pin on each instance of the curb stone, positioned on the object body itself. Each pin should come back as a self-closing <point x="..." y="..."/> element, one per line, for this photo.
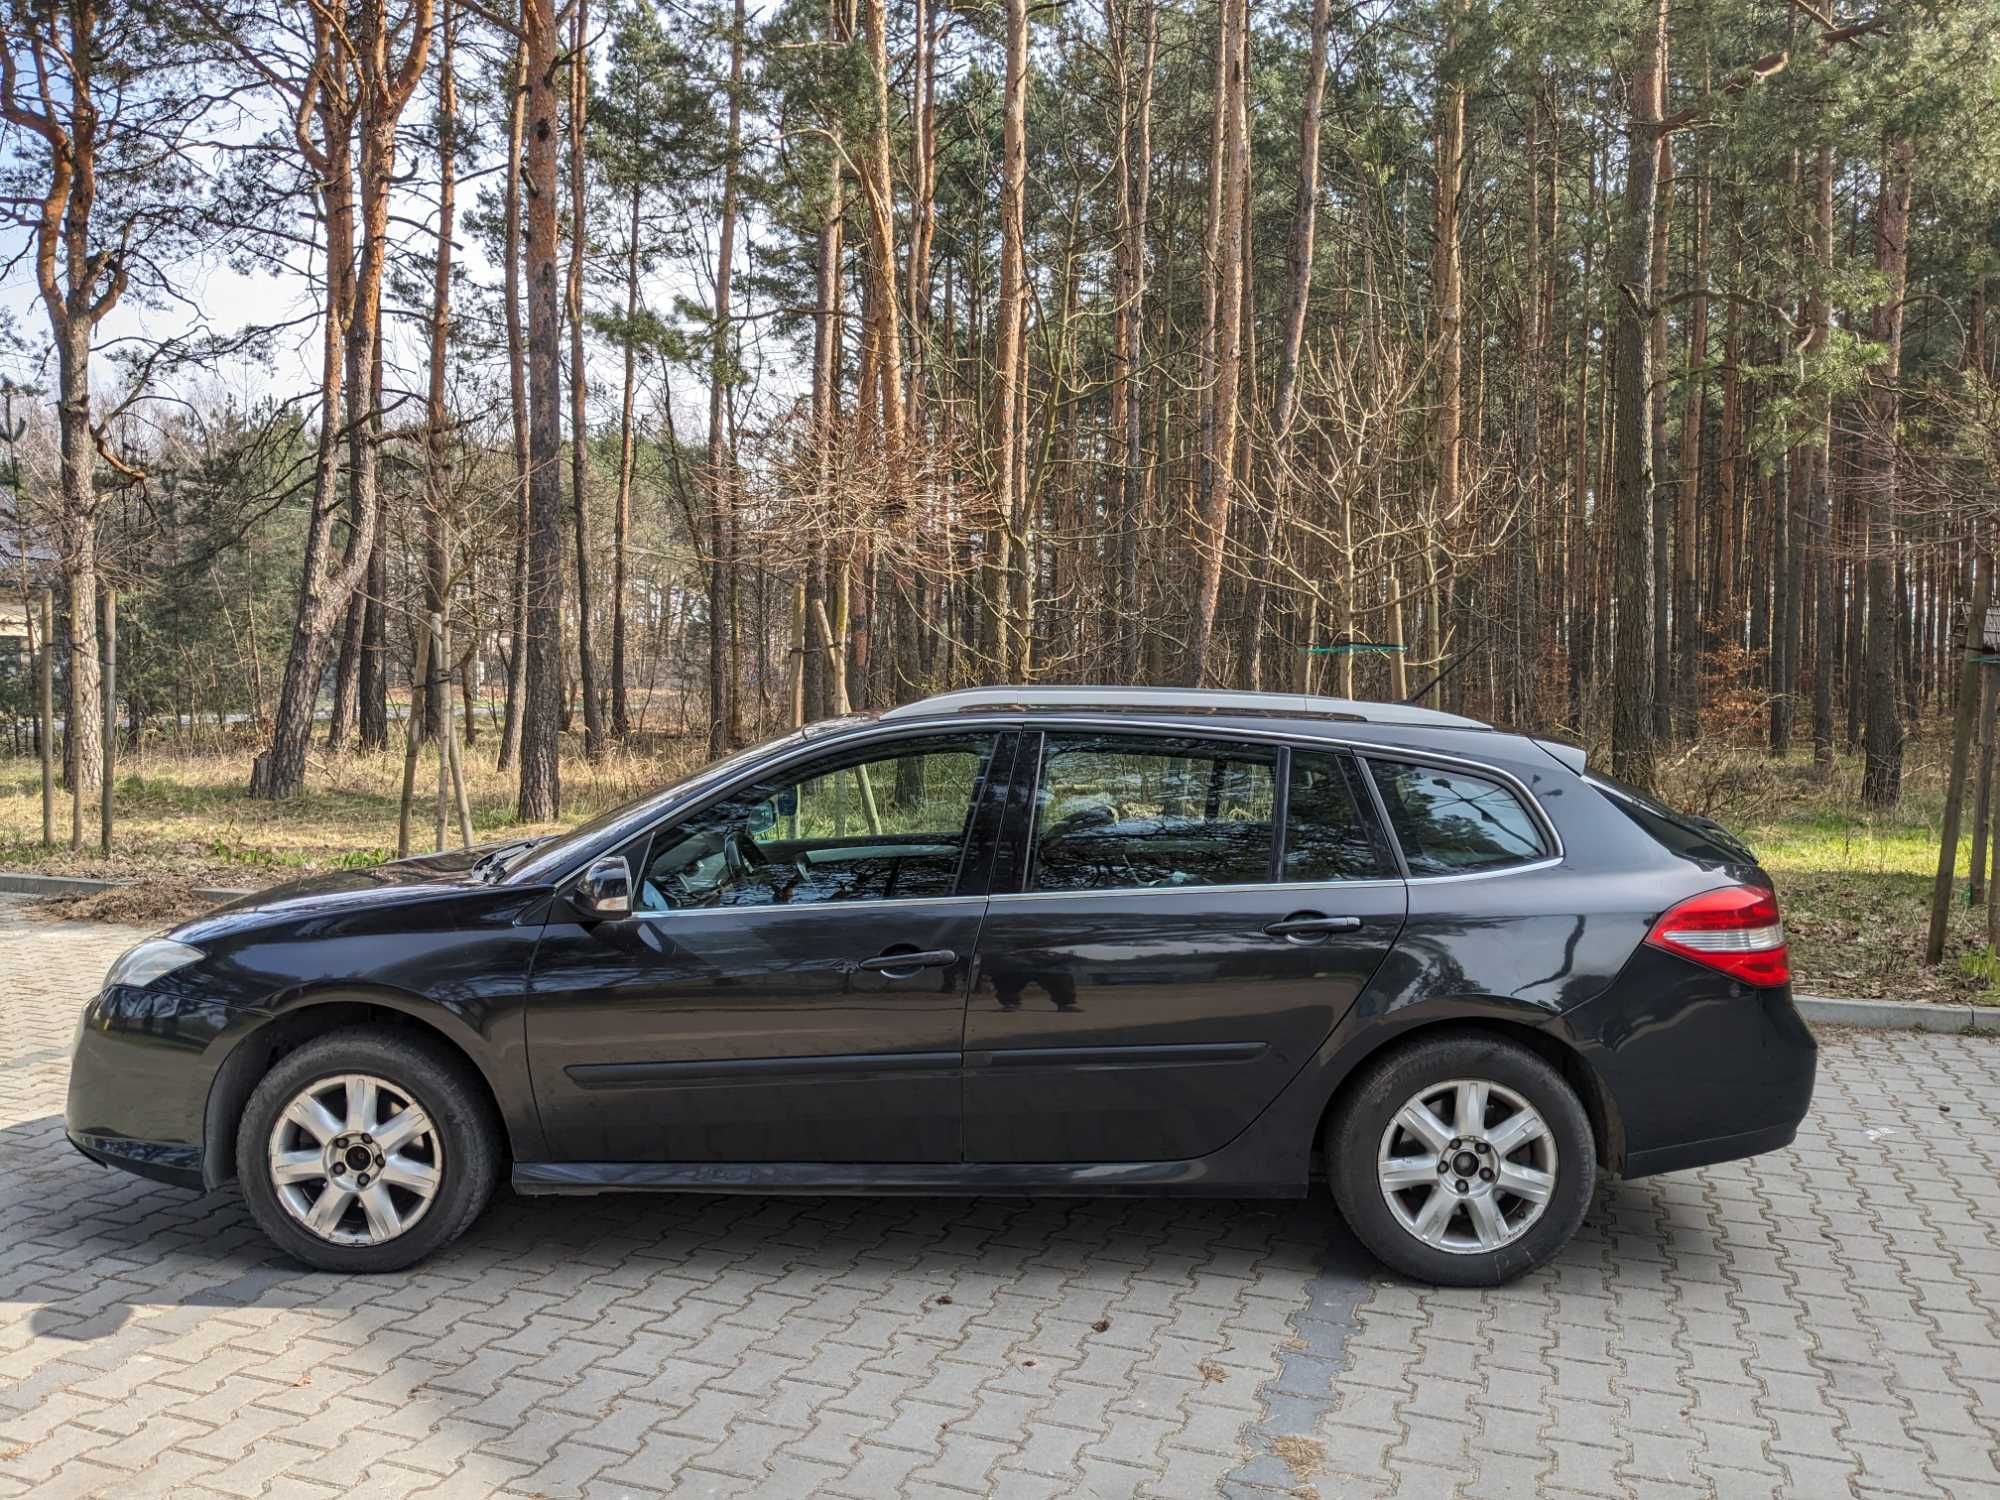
<point x="13" y="884"/>
<point x="1897" y="1015"/>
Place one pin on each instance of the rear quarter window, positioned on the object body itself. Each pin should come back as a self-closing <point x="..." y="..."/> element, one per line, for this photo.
<point x="1452" y="822"/>
<point x="1700" y="839"/>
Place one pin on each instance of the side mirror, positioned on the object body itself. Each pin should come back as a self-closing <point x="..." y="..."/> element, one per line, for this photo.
<point x="606" y="888"/>
<point x="763" y="817"/>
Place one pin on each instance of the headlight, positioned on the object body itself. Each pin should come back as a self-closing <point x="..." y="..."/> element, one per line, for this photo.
<point x="152" y="959"/>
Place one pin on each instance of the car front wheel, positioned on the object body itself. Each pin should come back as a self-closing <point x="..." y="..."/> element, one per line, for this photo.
<point x="1463" y="1160"/>
<point x="366" y="1150"/>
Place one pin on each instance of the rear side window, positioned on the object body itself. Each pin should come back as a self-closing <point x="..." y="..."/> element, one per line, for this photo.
<point x="1115" y="812"/>
<point x="1326" y="836"/>
<point x="1453" y="823"/>
<point x="1700" y="839"/>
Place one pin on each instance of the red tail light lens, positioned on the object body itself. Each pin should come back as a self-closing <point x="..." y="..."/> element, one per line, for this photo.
<point x="1736" y="930"/>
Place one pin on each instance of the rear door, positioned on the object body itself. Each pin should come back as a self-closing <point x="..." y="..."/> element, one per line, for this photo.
<point x="1156" y="963"/>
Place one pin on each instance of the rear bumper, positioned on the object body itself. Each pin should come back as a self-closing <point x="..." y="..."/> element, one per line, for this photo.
<point x="1698" y="1067"/>
<point x="1705" y="1153"/>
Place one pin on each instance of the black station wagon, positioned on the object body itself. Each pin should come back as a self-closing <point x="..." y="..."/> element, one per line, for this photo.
<point x="1013" y="940"/>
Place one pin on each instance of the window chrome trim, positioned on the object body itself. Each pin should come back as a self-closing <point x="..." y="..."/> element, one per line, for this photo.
<point x="859" y="904"/>
<point x="869" y="731"/>
<point x="1547" y="862"/>
<point x="1259" y="887"/>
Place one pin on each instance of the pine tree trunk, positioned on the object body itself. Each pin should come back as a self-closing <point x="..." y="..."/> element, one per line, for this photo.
<point x="1216" y="472"/>
<point x="542" y="698"/>
<point x="1882" y="772"/>
<point x="579" y="432"/>
<point x="517" y="392"/>
<point x="1632" y="747"/>
<point x="621" y="711"/>
<point x="1010" y="627"/>
<point x="720" y="465"/>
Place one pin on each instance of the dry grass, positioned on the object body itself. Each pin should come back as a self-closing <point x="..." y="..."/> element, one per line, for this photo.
<point x="1855" y="885"/>
<point x="187" y="815"/>
<point x="157" y="901"/>
<point x="1304" y="1456"/>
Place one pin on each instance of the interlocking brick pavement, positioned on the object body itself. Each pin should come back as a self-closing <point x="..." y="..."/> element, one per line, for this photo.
<point x="1820" y="1322"/>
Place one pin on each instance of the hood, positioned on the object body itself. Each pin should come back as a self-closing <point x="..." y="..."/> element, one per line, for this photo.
<point x="394" y="882"/>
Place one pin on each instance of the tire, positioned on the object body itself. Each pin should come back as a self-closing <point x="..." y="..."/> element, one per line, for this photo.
<point x="1431" y="1229"/>
<point x="434" y="1181"/>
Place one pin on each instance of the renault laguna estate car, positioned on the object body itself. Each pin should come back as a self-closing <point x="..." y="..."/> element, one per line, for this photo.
<point x="1012" y="940"/>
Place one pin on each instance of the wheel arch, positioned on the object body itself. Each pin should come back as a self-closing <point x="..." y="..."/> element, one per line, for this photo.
<point x="314" y="1014"/>
<point x="1606" y="1127"/>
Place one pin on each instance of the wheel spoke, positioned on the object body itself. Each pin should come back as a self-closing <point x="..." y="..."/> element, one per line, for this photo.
<point x="313" y="1118"/>
<point x="1409" y="1171"/>
<point x="361" y="1104"/>
<point x="1486" y="1221"/>
<point x="297" y="1166"/>
<point x="326" y="1211"/>
<point x="384" y="1223"/>
<point x="1436" y="1214"/>
<point x="1462" y="1164"/>
<point x="418" y="1177"/>
<point x="1417" y="1118"/>
<point x="1524" y="1182"/>
<point x="400" y="1128"/>
<point x="1516" y="1131"/>
<point x="1470" y="1110"/>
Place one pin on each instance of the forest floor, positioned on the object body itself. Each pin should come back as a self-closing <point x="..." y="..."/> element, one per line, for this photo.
<point x="1855" y="885"/>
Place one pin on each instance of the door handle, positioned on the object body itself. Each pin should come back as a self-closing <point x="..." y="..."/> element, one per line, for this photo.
<point x="1306" y="925"/>
<point x="894" y="964"/>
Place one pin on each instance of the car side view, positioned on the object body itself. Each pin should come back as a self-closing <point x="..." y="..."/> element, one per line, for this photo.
<point x="1036" y="940"/>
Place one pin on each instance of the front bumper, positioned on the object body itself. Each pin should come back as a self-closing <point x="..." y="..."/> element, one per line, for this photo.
<point x="1699" y="1068"/>
<point x="178" y="1166"/>
<point x="140" y="1071"/>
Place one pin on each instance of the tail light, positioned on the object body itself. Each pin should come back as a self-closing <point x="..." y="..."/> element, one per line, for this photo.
<point x="1736" y="930"/>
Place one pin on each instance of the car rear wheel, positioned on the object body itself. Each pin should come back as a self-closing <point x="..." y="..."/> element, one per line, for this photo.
<point x="366" y="1150"/>
<point x="1463" y="1160"/>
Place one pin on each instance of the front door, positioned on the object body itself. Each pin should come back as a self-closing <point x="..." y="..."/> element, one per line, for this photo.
<point x="1168" y="962"/>
<point x="791" y="984"/>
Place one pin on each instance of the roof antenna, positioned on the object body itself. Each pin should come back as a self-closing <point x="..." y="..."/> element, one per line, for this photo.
<point x="1443" y="672"/>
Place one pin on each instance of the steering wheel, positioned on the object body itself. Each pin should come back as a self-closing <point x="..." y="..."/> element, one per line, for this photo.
<point x="741" y="854"/>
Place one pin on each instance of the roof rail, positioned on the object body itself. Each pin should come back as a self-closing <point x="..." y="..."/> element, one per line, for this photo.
<point x="1181" y="700"/>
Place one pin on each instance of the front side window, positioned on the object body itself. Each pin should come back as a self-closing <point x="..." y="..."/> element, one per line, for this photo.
<point x="1453" y="823"/>
<point x="1326" y="836"/>
<point x="867" y="825"/>
<point x="1114" y="812"/>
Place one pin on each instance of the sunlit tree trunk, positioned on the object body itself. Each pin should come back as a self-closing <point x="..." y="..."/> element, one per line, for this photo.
<point x="541" y="717"/>
<point x="1882" y="770"/>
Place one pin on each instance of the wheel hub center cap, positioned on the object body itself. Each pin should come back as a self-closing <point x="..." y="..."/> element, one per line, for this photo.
<point x="1465" y="1164"/>
<point x="358" y="1157"/>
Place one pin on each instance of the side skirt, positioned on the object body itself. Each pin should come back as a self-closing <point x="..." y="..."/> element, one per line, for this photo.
<point x="1198" y="1178"/>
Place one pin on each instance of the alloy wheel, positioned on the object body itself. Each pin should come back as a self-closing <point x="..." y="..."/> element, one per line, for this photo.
<point x="1467" y="1166"/>
<point x="356" y="1159"/>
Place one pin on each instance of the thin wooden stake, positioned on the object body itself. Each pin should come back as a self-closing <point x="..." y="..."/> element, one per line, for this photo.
<point x="411" y="744"/>
<point x="48" y="720"/>
<point x="1961" y="755"/>
<point x="455" y="756"/>
<point x="440" y="690"/>
<point x="110" y="717"/>
<point x="1983" y="787"/>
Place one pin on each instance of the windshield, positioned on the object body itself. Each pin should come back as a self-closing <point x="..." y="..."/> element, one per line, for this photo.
<point x="541" y="861"/>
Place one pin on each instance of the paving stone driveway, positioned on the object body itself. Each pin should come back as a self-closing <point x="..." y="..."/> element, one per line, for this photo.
<point x="1823" y="1322"/>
